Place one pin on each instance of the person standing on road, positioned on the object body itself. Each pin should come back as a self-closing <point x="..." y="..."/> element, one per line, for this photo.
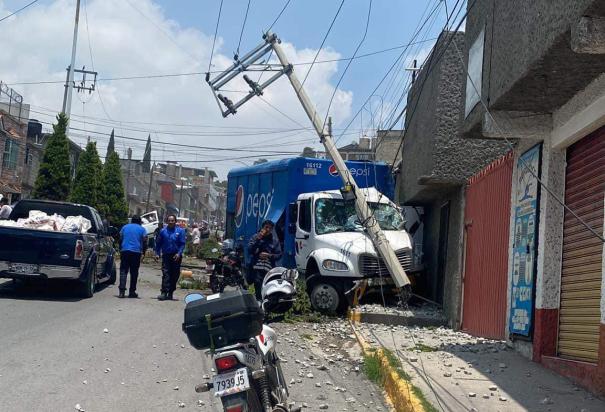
<point x="170" y="244"/>
<point x="264" y="250"/>
<point x="5" y="209"/>
<point x="132" y="248"/>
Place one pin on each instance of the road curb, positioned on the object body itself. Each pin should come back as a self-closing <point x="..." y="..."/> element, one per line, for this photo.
<point x="395" y="320"/>
<point x="398" y="390"/>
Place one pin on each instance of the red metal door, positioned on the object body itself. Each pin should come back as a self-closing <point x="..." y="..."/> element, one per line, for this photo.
<point x="487" y="220"/>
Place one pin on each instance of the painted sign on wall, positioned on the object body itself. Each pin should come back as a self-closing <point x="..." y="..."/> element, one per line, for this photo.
<point x="527" y="199"/>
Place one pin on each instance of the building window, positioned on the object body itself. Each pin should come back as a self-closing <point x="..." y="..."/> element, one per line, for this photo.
<point x="474" y="79"/>
<point x="11" y="151"/>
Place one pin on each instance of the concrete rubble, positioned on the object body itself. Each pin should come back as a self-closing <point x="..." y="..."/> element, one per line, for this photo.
<point x="469" y="373"/>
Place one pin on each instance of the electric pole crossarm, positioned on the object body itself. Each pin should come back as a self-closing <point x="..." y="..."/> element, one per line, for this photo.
<point x="256" y="91"/>
<point x="234" y="65"/>
<point x="242" y="65"/>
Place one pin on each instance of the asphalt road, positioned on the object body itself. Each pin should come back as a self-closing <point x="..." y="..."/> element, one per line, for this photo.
<point x="54" y="355"/>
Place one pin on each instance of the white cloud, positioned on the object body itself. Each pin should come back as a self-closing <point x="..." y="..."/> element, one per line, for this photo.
<point x="37" y="45"/>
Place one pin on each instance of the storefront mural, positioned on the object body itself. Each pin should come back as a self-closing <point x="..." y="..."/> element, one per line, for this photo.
<point x="524" y="246"/>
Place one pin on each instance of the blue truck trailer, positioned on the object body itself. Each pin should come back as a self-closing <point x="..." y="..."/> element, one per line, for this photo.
<point x="264" y="191"/>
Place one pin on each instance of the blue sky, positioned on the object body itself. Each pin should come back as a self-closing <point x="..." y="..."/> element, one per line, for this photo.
<point x="149" y="37"/>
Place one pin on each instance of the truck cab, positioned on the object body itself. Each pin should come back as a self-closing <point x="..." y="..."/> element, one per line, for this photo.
<point x="333" y="250"/>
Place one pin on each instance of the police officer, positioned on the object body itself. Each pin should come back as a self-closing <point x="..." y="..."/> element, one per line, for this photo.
<point x="170" y="244"/>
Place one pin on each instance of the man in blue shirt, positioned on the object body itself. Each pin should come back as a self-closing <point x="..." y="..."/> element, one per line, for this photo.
<point x="133" y="245"/>
<point x="170" y="244"/>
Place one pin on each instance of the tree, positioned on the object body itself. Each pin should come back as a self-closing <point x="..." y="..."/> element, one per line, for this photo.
<point x="86" y="188"/>
<point x="111" y="145"/>
<point x="260" y="161"/>
<point x="113" y="201"/>
<point x="54" y="176"/>
<point x="308" y="152"/>
<point x="147" y="156"/>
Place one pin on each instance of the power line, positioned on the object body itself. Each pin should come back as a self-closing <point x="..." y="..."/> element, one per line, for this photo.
<point x="365" y="33"/>
<point x="218" y="20"/>
<point x="191" y="74"/>
<point x="92" y="60"/>
<point x="231" y="149"/>
<point x="279" y="15"/>
<point x="19" y="10"/>
<point x="323" y="42"/>
<point x="376" y="88"/>
<point x="429" y="69"/>
<point x="243" y="26"/>
<point x="161" y="30"/>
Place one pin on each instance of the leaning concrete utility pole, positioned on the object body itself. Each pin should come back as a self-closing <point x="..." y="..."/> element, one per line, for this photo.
<point x="365" y="214"/>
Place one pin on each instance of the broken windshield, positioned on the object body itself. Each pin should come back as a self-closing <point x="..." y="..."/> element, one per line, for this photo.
<point x="336" y="215"/>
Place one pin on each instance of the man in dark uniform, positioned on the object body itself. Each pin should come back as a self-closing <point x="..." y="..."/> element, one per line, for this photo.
<point x="170" y="244"/>
<point x="264" y="250"/>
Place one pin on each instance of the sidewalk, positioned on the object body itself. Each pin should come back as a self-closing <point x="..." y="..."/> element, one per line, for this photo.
<point x="459" y="372"/>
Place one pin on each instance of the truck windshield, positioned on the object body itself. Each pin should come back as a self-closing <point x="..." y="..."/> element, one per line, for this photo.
<point x="335" y="215"/>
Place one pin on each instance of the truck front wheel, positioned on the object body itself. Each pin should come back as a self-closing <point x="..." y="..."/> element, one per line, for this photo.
<point x="325" y="297"/>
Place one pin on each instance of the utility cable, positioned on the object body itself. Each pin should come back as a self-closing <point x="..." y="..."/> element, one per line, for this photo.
<point x="92" y="60"/>
<point x="239" y="43"/>
<point x="190" y="74"/>
<point x="365" y="33"/>
<point x="218" y="20"/>
<point x="377" y="86"/>
<point x="19" y="10"/>
<point x="279" y="15"/>
<point x="322" y="43"/>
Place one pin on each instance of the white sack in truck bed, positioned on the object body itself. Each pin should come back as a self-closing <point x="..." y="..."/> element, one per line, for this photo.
<point x="38" y="220"/>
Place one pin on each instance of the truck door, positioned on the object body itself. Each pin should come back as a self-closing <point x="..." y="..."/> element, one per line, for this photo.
<point x="303" y="233"/>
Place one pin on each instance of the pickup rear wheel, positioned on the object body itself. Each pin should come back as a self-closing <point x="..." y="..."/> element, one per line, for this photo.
<point x="113" y="273"/>
<point x="325" y="297"/>
<point x="87" y="288"/>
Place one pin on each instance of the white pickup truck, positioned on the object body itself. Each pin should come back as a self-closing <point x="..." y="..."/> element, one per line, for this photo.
<point x="332" y="249"/>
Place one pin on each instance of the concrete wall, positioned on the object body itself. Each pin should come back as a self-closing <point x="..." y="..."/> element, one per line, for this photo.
<point x="448" y="290"/>
<point x="528" y="57"/>
<point x="434" y="153"/>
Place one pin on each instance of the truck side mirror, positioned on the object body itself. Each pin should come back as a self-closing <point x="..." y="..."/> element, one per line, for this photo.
<point x="293" y="216"/>
<point x="293" y="212"/>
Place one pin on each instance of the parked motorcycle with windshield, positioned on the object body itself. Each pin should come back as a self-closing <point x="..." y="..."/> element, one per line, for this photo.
<point x="230" y="327"/>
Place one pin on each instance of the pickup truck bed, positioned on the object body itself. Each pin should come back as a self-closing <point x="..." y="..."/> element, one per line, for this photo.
<point x="87" y="258"/>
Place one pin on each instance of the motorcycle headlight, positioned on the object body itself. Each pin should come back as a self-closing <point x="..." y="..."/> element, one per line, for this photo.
<point x="335" y="265"/>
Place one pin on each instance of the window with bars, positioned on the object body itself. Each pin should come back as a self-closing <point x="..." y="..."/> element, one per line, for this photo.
<point x="11" y="151"/>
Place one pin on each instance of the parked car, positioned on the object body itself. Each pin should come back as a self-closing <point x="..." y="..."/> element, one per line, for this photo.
<point x="85" y="258"/>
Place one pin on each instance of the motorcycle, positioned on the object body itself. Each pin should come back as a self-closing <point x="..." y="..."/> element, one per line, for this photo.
<point x="226" y="269"/>
<point x="249" y="376"/>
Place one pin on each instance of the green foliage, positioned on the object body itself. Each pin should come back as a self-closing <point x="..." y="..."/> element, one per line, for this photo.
<point x="205" y="250"/>
<point x="54" y="176"/>
<point x="87" y="185"/>
<point x="147" y="156"/>
<point x="112" y="199"/>
<point x="111" y="145"/>
<point x="301" y="310"/>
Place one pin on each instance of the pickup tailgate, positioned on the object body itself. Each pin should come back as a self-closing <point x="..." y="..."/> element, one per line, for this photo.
<point x="38" y="247"/>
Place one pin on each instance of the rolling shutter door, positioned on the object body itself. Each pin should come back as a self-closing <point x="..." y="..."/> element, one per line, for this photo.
<point x="582" y="251"/>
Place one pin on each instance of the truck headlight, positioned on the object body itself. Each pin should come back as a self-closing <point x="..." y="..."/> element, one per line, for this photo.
<point x="335" y="265"/>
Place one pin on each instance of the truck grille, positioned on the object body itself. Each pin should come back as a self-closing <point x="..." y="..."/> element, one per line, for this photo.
<point x="371" y="266"/>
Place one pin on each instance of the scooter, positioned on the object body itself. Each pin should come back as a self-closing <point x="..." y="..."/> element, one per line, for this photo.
<point x="249" y="376"/>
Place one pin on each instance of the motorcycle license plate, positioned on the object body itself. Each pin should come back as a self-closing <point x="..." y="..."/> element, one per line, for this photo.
<point x="232" y="382"/>
<point x="22" y="269"/>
